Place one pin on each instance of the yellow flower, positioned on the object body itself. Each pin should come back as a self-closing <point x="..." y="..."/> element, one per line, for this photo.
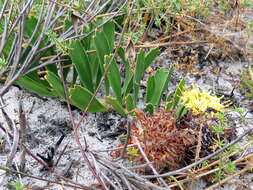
<point x="199" y="102"/>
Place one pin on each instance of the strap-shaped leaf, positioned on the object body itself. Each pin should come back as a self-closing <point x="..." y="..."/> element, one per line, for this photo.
<point x="139" y="66"/>
<point x="150" y="57"/>
<point x="116" y="105"/>
<point x="55" y="83"/>
<point x="178" y="92"/>
<point x="150" y="88"/>
<point x="139" y="70"/>
<point x="169" y="100"/>
<point x="128" y="82"/>
<point x="109" y="31"/>
<point x="114" y="77"/>
<point x="161" y="79"/>
<point x="35" y="86"/>
<point x="130" y="103"/>
<point x="80" y="97"/>
<point x="173" y="99"/>
<point x="149" y="108"/>
<point x="82" y="64"/>
<point x="101" y="45"/>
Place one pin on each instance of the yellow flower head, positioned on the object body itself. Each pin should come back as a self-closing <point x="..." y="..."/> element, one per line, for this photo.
<point x="199" y="102"/>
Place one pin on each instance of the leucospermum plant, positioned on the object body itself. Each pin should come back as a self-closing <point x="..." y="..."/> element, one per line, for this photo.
<point x="199" y="101"/>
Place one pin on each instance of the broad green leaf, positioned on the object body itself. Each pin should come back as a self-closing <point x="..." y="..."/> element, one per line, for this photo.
<point x="102" y="49"/>
<point x="149" y="108"/>
<point x="139" y="66"/>
<point x="95" y="66"/>
<point x="89" y="44"/>
<point x="178" y="92"/>
<point x="116" y="105"/>
<point x="128" y="84"/>
<point x="150" y="57"/>
<point x="80" y="97"/>
<point x="30" y="25"/>
<point x="55" y="83"/>
<point x="170" y="101"/>
<point x="114" y="77"/>
<point x="101" y="45"/>
<point x="139" y="70"/>
<point x="150" y="88"/>
<point x="109" y="32"/>
<point x="74" y="77"/>
<point x="129" y="73"/>
<point x="130" y="103"/>
<point x="161" y="79"/>
<point x="35" y="86"/>
<point x="52" y="68"/>
<point x="121" y="53"/>
<point x="82" y="64"/>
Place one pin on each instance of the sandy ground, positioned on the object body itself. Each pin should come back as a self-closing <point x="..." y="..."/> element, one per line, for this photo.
<point x="47" y="118"/>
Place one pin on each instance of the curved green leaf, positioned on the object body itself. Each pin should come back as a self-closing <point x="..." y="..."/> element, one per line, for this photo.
<point x="55" y="83"/>
<point x="114" y="77"/>
<point x="82" y="64"/>
<point x="80" y="97"/>
<point x="158" y="85"/>
<point x="116" y="105"/>
<point x="150" y="57"/>
<point x="130" y="103"/>
<point x="35" y="86"/>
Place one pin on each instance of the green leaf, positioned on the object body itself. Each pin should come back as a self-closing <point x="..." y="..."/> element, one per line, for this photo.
<point x="130" y="103"/>
<point x="109" y="32"/>
<point x="138" y="73"/>
<point x="128" y="84"/>
<point x="116" y="105"/>
<point x="161" y="80"/>
<point x="178" y="92"/>
<point x="95" y="67"/>
<point x="121" y="53"/>
<point x="55" y="83"/>
<point x="101" y="45"/>
<point x="35" y="86"/>
<point x="80" y="97"/>
<point x="150" y="57"/>
<point x="139" y="66"/>
<point x="114" y="77"/>
<point x="170" y="101"/>
<point x="82" y="64"/>
<point x="74" y="77"/>
<point x="181" y="111"/>
<point x="102" y="49"/>
<point x="150" y="88"/>
<point x="149" y="108"/>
